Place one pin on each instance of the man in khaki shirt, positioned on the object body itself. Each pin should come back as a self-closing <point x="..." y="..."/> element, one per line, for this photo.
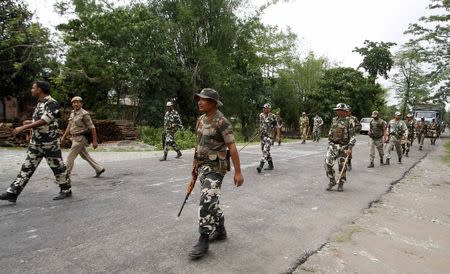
<point x="79" y="122"/>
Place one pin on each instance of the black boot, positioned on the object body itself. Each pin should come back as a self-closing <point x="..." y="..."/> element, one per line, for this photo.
<point x="371" y="165"/>
<point x="261" y="165"/>
<point x="303" y="141"/>
<point x="340" y="187"/>
<point x="219" y="234"/>
<point x="200" y="248"/>
<point x="10" y="197"/>
<point x="381" y="162"/>
<point x="388" y="162"/>
<point x="164" y="157"/>
<point x="63" y="195"/>
<point x="178" y="154"/>
<point x="400" y="160"/>
<point x="331" y="184"/>
<point x="270" y="167"/>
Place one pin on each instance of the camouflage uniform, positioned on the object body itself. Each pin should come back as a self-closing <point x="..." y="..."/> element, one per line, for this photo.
<point x="172" y="122"/>
<point x="397" y="131"/>
<point x="410" y="124"/>
<point x="44" y="143"/>
<point x="317" y="126"/>
<point x="280" y="123"/>
<point x="268" y="124"/>
<point x="341" y="138"/>
<point x="213" y="135"/>
<point x="432" y="131"/>
<point x="421" y="130"/>
<point x="304" y="127"/>
<point x="376" y="133"/>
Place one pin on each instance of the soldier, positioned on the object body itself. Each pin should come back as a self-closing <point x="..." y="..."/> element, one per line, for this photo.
<point x="304" y="127"/>
<point x="397" y="131"/>
<point x="410" y="124"/>
<point x="355" y="125"/>
<point x="280" y="123"/>
<point x="377" y="132"/>
<point x="214" y="136"/>
<point x="317" y="127"/>
<point x="433" y="131"/>
<point x="172" y="122"/>
<point x="80" y="123"/>
<point x="44" y="143"/>
<point x="268" y="127"/>
<point x="421" y="130"/>
<point x="341" y="140"/>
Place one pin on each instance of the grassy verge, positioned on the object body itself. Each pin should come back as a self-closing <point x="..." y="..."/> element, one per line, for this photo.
<point x="446" y="157"/>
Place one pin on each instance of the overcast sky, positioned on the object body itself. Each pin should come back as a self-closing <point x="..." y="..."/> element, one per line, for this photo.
<point x="330" y="28"/>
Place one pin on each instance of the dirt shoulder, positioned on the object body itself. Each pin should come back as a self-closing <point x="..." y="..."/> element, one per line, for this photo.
<point x="406" y="231"/>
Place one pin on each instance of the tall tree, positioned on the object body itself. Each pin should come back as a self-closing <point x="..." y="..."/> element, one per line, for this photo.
<point x="432" y="39"/>
<point x="377" y="58"/>
<point x="410" y="81"/>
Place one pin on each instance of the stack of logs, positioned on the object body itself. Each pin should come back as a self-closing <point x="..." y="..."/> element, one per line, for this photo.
<point x="107" y="130"/>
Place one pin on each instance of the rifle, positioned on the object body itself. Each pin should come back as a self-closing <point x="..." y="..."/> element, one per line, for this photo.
<point x="343" y="168"/>
<point x="251" y="140"/>
<point x="192" y="182"/>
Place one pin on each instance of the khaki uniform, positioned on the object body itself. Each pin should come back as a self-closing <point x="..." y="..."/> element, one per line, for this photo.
<point x="397" y="131"/>
<point x="79" y="122"/>
<point x="376" y="133"/>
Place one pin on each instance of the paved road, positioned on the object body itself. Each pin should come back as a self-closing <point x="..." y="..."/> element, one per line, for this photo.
<point x="126" y="221"/>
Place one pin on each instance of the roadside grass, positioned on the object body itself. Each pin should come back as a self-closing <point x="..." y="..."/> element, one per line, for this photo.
<point x="346" y="235"/>
<point x="446" y="157"/>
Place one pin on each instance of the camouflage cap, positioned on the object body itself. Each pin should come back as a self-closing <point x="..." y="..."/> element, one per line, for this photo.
<point x="208" y="93"/>
<point x="409" y="115"/>
<point x="340" y="106"/>
<point x="76" y="98"/>
<point x="169" y="104"/>
<point x="397" y="113"/>
<point x="375" y="114"/>
<point x="267" y="105"/>
<point x="303" y="113"/>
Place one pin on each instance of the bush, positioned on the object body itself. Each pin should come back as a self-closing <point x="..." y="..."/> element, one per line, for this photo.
<point x="153" y="136"/>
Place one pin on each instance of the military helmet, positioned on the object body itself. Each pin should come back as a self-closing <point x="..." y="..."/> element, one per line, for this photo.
<point x="340" y="106"/>
<point x="375" y="114"/>
<point x="208" y="93"/>
<point x="169" y="104"/>
<point x="409" y="115"/>
<point x="397" y="113"/>
<point x="267" y="105"/>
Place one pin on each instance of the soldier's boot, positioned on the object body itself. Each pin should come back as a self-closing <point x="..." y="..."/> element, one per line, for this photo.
<point x="420" y="147"/>
<point x="406" y="153"/>
<point x="64" y="193"/>
<point x="10" y="197"/>
<point x="371" y="165"/>
<point x="331" y="184"/>
<point x="400" y="160"/>
<point x="349" y="165"/>
<point x="260" y="167"/>
<point x="388" y="162"/>
<point x="381" y="162"/>
<point x="219" y="234"/>
<point x="270" y="167"/>
<point x="200" y="248"/>
<point x="164" y="157"/>
<point x="340" y="187"/>
<point x="303" y="141"/>
<point x="178" y="154"/>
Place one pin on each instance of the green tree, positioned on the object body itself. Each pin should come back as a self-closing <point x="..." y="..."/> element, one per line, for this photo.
<point x="377" y="58"/>
<point x="410" y="81"/>
<point x="25" y="50"/>
<point x="432" y="40"/>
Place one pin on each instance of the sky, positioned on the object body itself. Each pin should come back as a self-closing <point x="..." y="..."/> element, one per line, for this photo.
<point x="329" y="28"/>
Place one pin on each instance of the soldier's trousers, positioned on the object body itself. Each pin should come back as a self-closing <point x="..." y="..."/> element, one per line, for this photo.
<point x="170" y="141"/>
<point x="210" y="213"/>
<point x="304" y="133"/>
<point x="407" y="145"/>
<point x="79" y="148"/>
<point x="35" y="153"/>
<point x="420" y="139"/>
<point x="393" y="142"/>
<point x="316" y="135"/>
<point x="266" y="144"/>
<point x="336" y="152"/>
<point x="378" y="144"/>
